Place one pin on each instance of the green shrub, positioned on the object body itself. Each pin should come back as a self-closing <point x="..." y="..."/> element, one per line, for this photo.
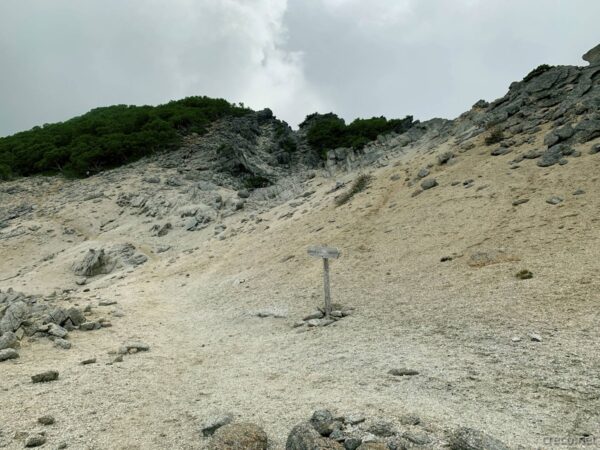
<point x="5" y="173"/>
<point x="537" y="71"/>
<point x="359" y="185"/>
<point x="524" y="274"/>
<point x="109" y="137"/>
<point x="328" y="131"/>
<point x="289" y="145"/>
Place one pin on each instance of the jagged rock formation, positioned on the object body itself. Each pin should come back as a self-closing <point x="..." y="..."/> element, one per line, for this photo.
<point x="98" y="262"/>
<point x="593" y="56"/>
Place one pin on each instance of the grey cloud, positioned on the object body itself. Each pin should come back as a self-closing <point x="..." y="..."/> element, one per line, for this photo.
<point x="429" y="58"/>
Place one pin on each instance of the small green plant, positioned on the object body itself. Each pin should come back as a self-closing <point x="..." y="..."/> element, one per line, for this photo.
<point x="496" y="135"/>
<point x="289" y="145"/>
<point x="4" y="172"/>
<point x="537" y="71"/>
<point x="359" y="185"/>
<point x="524" y="274"/>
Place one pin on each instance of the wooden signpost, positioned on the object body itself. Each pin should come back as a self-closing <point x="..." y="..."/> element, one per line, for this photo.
<point x="326" y="253"/>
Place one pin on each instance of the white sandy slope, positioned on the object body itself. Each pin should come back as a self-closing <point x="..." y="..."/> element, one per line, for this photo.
<point x="195" y="305"/>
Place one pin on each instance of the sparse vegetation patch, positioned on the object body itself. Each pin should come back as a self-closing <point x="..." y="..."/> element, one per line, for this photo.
<point x="359" y="185"/>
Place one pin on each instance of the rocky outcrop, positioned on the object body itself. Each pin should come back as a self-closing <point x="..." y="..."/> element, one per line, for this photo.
<point x="354" y="431"/>
<point x="95" y="262"/>
<point x="101" y="262"/>
<point x="51" y="317"/>
<point x="13" y="317"/>
<point x="593" y="56"/>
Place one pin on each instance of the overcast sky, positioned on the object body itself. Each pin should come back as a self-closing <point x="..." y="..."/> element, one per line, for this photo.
<point x="428" y="58"/>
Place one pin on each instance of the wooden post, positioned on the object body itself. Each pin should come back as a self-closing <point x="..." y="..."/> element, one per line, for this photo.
<point x="326" y="253"/>
<point x="326" y="287"/>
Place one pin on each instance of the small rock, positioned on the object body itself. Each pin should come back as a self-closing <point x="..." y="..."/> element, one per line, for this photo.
<point x="399" y="443"/>
<point x="44" y="377"/>
<point x="403" y="372"/>
<point x="8" y="340"/>
<point x="516" y="339"/>
<point x="410" y="419"/>
<point x="520" y="201"/>
<point x="352" y="443"/>
<point x="500" y="151"/>
<point x="429" y="183"/>
<point x="85" y="362"/>
<point x="535" y="337"/>
<point x="62" y="343"/>
<point x="8" y="353"/>
<point x="354" y="419"/>
<point x="89" y="326"/>
<point x="276" y="314"/>
<point x="323" y="421"/>
<point x="373" y="446"/>
<point x="382" y="428"/>
<point x="46" y="420"/>
<point x="35" y="440"/>
<point x="314" y="315"/>
<point x="554" y="200"/>
<point x="471" y="439"/>
<point x="579" y="192"/>
<point x="319" y="322"/>
<point x="444" y="158"/>
<point x="239" y="436"/>
<point x="209" y="427"/>
<point x="138" y="346"/>
<point x="107" y="302"/>
<point x="305" y="437"/>
<point x="424" y="172"/>
<point x="58" y="331"/>
<point x="418" y="438"/>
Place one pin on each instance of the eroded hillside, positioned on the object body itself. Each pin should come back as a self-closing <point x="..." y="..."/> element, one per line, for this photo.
<point x="200" y="255"/>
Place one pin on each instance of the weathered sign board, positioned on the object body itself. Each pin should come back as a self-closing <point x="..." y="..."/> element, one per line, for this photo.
<point x="326" y="253"/>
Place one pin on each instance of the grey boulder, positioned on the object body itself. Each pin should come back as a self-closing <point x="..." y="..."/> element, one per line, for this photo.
<point x="8" y="353"/>
<point x="429" y="183"/>
<point x="8" y="340"/>
<point x="305" y="437"/>
<point x="209" y="427"/>
<point x="13" y="317"/>
<point x="239" y="436"/>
